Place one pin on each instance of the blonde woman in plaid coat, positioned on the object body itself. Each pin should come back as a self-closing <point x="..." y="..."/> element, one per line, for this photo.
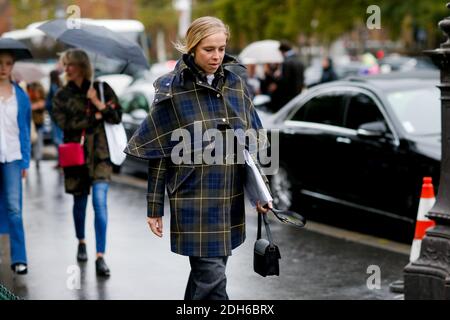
<point x="206" y="200"/>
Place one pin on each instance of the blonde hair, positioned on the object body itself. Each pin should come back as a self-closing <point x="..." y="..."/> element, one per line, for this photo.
<point x="80" y="58"/>
<point x="200" y="29"/>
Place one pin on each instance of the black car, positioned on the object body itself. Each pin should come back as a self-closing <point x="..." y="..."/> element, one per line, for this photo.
<point x="355" y="152"/>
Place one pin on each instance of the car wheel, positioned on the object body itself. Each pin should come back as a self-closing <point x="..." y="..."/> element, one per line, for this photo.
<point x="281" y="187"/>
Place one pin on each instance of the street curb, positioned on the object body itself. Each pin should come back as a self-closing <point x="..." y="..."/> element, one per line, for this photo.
<point x="360" y="238"/>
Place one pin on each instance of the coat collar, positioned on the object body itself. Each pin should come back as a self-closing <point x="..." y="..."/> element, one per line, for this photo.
<point x="186" y="70"/>
<point x="186" y="66"/>
<point x="84" y="86"/>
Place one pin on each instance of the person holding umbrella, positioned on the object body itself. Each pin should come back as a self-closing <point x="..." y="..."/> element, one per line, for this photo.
<point x="79" y="111"/>
<point x="15" y="151"/>
<point x="206" y="200"/>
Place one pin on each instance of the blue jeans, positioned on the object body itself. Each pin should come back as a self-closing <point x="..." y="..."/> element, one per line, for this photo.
<point x="11" y="209"/>
<point x="99" y="193"/>
<point x="57" y="134"/>
<point x="38" y="146"/>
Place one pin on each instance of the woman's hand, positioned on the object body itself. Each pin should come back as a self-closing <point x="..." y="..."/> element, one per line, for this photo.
<point x="92" y="95"/>
<point x="40" y="105"/>
<point x="24" y="173"/>
<point x="98" y="116"/>
<point x="156" y="225"/>
<point x="263" y="210"/>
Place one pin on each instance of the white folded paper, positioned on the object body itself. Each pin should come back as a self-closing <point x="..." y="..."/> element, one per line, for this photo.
<point x="255" y="187"/>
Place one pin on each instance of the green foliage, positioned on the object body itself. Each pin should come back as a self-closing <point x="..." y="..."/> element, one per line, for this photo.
<point x="29" y="11"/>
<point x="252" y="20"/>
<point x="262" y="19"/>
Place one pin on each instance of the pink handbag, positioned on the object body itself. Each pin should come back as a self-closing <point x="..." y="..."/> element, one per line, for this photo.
<point x="71" y="154"/>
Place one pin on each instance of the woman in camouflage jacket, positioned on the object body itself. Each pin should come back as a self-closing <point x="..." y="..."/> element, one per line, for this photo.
<point x="79" y="112"/>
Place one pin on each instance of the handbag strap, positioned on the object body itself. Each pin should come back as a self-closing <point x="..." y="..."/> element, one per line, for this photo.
<point x="102" y="93"/>
<point x="102" y="98"/>
<point x="263" y="217"/>
<point x="83" y="137"/>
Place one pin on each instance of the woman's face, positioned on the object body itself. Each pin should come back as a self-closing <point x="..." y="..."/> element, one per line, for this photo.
<point x="73" y="71"/>
<point x="210" y="51"/>
<point x="6" y="66"/>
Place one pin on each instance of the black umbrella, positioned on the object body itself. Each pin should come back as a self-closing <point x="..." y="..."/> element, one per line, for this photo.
<point x="290" y="217"/>
<point x="97" y="39"/>
<point x="17" y="48"/>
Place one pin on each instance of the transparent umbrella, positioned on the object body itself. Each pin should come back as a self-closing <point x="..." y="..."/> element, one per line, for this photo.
<point x="260" y="52"/>
<point x="28" y="72"/>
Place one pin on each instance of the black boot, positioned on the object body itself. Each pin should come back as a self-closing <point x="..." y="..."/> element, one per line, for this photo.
<point x="82" y="254"/>
<point x="20" y="268"/>
<point x="101" y="267"/>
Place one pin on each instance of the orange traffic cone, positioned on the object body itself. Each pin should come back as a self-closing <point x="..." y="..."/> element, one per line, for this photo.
<point x="427" y="201"/>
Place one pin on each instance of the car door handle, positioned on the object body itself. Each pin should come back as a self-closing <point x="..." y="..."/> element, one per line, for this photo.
<point x="289" y="131"/>
<point x="343" y="140"/>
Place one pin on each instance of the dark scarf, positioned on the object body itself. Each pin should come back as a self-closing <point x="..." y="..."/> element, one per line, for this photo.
<point x="200" y="74"/>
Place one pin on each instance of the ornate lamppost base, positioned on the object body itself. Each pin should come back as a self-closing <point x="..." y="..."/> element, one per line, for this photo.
<point x="428" y="278"/>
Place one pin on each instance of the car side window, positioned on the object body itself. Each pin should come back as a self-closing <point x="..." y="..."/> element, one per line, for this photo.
<point x="134" y="102"/>
<point x="362" y="109"/>
<point x="326" y="108"/>
<point x="139" y="102"/>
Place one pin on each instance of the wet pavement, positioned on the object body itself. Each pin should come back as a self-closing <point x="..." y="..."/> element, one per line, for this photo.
<point x="313" y="265"/>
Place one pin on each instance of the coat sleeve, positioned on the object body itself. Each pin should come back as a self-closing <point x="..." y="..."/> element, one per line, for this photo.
<point x="262" y="142"/>
<point x="153" y="138"/>
<point x="26" y="145"/>
<point x="113" y="111"/>
<point x="155" y="190"/>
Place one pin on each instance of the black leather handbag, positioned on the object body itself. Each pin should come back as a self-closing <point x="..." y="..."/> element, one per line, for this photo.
<point x="266" y="253"/>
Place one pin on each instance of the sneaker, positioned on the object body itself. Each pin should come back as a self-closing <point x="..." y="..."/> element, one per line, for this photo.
<point x="101" y="267"/>
<point x="19" y="268"/>
<point x="82" y="254"/>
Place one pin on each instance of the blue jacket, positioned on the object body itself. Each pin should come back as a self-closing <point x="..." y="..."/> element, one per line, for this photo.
<point x="24" y="121"/>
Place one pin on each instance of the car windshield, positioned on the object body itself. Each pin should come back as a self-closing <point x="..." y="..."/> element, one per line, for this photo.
<point x="418" y="110"/>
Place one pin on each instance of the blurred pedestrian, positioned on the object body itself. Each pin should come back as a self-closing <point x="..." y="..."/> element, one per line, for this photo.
<point x="269" y="82"/>
<point x="291" y="81"/>
<point x="36" y="93"/>
<point x="55" y="84"/>
<point x="253" y="82"/>
<point x="206" y="200"/>
<point x="328" y="73"/>
<point x="15" y="152"/>
<point x="269" y="85"/>
<point x="79" y="112"/>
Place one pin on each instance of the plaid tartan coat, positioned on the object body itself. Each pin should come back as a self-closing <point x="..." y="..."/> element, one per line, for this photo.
<point x="206" y="200"/>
